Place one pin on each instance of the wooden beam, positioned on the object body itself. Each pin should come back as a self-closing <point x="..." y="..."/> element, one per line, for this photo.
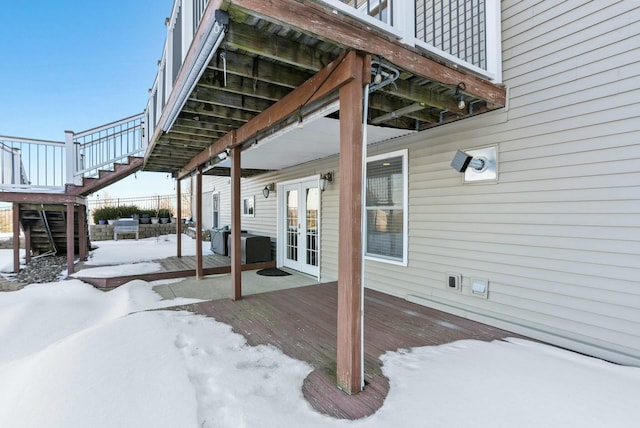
<point x="249" y="39"/>
<point x="236" y="225"/>
<point x="247" y="85"/>
<point x="202" y="124"/>
<point x="27" y="244"/>
<point x="179" y="218"/>
<point x="177" y="129"/>
<point x="82" y="232"/>
<point x="40" y="198"/>
<point x="259" y="69"/>
<point x="16" y="237"/>
<point x="230" y="99"/>
<point x="211" y="110"/>
<point x="322" y="22"/>
<point x="323" y="83"/>
<point x="199" y="273"/>
<point x="70" y="237"/>
<point x="349" y="334"/>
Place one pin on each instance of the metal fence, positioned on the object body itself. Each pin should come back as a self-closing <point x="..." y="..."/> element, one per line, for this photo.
<point x="151" y="203"/>
<point x="148" y="203"/>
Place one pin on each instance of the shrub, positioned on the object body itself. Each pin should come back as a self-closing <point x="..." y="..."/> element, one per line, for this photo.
<point x="164" y="213"/>
<point x="113" y="213"/>
<point x="128" y="211"/>
<point x="104" y="213"/>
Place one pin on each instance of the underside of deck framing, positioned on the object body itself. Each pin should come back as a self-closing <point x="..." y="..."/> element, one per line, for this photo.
<point x="302" y="323"/>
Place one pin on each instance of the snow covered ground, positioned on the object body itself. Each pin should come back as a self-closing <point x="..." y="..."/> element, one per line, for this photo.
<point x="72" y="356"/>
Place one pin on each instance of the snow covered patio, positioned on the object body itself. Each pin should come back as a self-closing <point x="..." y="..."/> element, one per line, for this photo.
<point x="72" y="356"/>
<point x="301" y="322"/>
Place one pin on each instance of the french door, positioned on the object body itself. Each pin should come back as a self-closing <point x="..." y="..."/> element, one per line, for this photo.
<point x="299" y="226"/>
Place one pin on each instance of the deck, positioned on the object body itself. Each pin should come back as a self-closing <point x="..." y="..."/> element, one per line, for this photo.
<point x="173" y="267"/>
<point x="302" y="323"/>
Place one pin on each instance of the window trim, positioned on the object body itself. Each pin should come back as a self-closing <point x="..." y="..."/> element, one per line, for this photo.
<point x="213" y="196"/>
<point x="248" y="208"/>
<point x="404" y="153"/>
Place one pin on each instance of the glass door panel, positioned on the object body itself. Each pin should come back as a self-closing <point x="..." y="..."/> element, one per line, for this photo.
<point x="301" y="208"/>
<point x="311" y="232"/>
<point x="292" y="224"/>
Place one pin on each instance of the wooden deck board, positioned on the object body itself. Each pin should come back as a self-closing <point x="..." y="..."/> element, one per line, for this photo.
<point x="302" y="323"/>
<point x="172" y="267"/>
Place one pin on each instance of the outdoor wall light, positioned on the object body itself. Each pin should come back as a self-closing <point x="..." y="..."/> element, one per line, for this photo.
<point x="267" y="189"/>
<point x="224" y="154"/>
<point x="325" y="179"/>
<point x="477" y="164"/>
<point x="461" y="161"/>
<point x="460" y="87"/>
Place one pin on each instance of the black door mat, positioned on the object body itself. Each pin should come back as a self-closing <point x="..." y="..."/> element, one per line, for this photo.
<point x="272" y="272"/>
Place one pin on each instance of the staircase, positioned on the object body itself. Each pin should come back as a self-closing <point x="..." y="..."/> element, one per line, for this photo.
<point x="105" y="178"/>
<point x="42" y="187"/>
<point x="48" y="228"/>
<point x="48" y="222"/>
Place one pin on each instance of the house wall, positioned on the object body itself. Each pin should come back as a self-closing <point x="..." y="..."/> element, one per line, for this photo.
<point x="558" y="235"/>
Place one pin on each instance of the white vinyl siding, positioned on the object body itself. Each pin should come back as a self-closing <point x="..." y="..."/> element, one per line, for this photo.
<point x="558" y="235"/>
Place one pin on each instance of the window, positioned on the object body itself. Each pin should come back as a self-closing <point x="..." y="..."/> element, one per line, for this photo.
<point x="248" y="206"/>
<point x="386" y="206"/>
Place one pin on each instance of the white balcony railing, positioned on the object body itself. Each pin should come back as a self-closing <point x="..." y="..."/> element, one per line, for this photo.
<point x="29" y="165"/>
<point x="465" y="32"/>
<point x="99" y="148"/>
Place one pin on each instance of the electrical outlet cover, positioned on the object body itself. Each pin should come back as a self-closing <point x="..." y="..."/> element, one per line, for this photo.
<point x="480" y="287"/>
<point x="453" y="281"/>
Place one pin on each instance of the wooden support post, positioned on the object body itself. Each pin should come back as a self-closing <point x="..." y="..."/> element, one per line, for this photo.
<point x="16" y="237"/>
<point x="178" y="219"/>
<point x="27" y="244"/>
<point x="199" y="270"/>
<point x="70" y="237"/>
<point x="82" y="232"/>
<point x="349" y="334"/>
<point x="236" y="226"/>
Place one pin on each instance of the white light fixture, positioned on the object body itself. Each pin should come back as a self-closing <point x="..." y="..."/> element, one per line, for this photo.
<point x="461" y="87"/>
<point x="224" y="154"/>
<point x="325" y="179"/>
